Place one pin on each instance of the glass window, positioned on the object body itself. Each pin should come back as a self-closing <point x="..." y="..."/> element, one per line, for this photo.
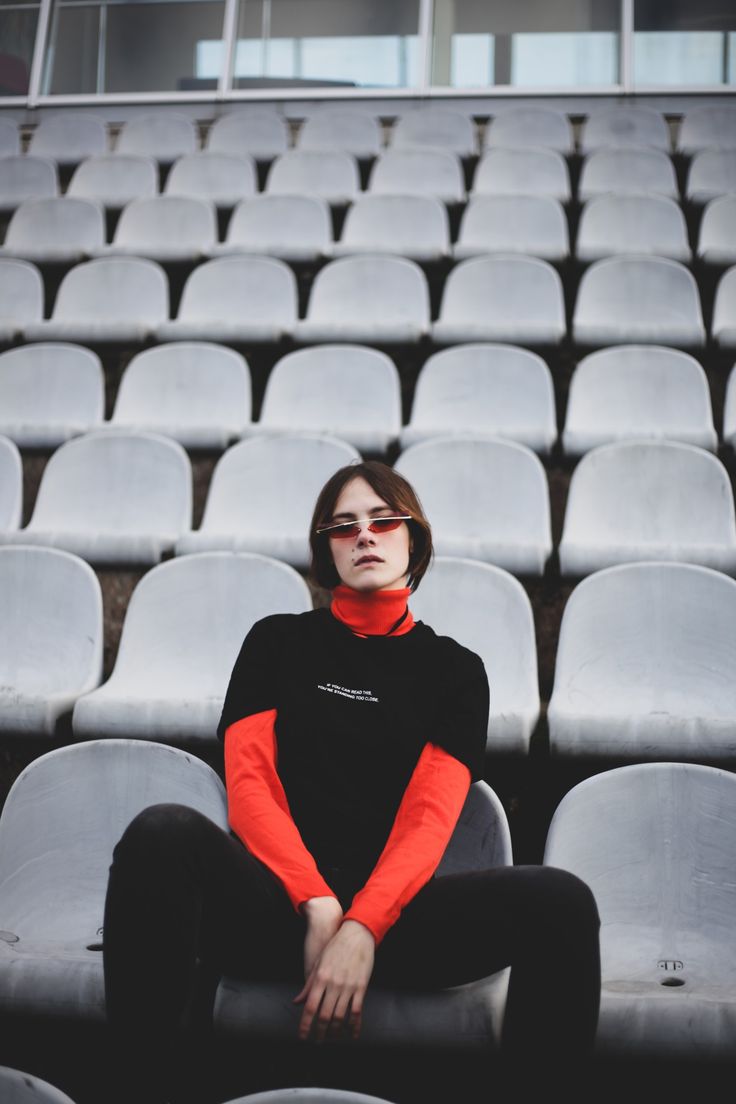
<point x="18" y="22"/>
<point x="679" y="43"/>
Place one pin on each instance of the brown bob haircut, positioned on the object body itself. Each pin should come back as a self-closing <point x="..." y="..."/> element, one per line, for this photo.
<point x="396" y="492"/>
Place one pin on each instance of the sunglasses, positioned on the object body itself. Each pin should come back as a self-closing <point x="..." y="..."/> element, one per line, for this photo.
<point x="348" y="530"/>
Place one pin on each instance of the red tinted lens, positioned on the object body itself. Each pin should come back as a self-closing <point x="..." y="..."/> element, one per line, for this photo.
<point x="344" y="532"/>
<point x="384" y="525"/>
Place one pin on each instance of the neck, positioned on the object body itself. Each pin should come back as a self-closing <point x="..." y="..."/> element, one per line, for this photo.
<point x="372" y="613"/>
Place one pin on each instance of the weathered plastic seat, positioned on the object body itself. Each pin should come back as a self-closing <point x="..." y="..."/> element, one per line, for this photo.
<point x="729" y="412"/>
<point x="114" y="179"/>
<point x="61" y="229"/>
<point x="413" y="226"/>
<point x="627" y="171"/>
<point x="534" y="225"/>
<point x="717" y="233"/>
<point x="437" y="128"/>
<point x="308" y="1096"/>
<point x="162" y="135"/>
<point x="339" y="128"/>
<point x="220" y="178"/>
<point x="69" y="137"/>
<point x="24" y="177"/>
<point x="165" y="228"/>
<point x="712" y="126"/>
<point x="330" y="174"/>
<point x="21" y="297"/>
<point x="9" y="138"/>
<point x="11" y="484"/>
<point x="426" y="172"/>
<point x="643" y="224"/>
<point x="183" y="629"/>
<point x="523" y="171"/>
<point x="19" y="1087"/>
<point x="49" y="393"/>
<point x="624" y="126"/>
<point x="51" y="638"/>
<point x="723" y="327"/>
<point x="646" y="667"/>
<point x="259" y="132"/>
<point x="712" y="173"/>
<point x="292" y="228"/>
<point x="544" y="127"/>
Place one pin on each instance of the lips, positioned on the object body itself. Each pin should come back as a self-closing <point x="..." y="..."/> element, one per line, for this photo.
<point x="368" y="559"/>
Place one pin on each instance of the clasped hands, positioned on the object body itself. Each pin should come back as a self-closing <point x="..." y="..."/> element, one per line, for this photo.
<point x="338" y="963"/>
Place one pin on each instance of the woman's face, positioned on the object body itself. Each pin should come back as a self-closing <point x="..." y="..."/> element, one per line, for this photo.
<point x="369" y="561"/>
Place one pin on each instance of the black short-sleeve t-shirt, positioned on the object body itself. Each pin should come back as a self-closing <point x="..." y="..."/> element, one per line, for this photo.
<point x="353" y="714"/>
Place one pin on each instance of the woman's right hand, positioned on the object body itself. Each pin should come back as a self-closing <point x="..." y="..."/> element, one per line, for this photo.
<point x="324" y="917"/>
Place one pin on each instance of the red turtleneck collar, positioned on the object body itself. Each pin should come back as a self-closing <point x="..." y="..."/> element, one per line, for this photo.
<point x="374" y="612"/>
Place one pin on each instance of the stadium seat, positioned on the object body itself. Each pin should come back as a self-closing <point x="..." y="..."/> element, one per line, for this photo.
<point x="345" y="391"/>
<point x="426" y="172"/>
<point x="261" y="496"/>
<point x="633" y="125"/>
<point x="717" y="233"/>
<point x="112" y="498"/>
<point x="59" y="230"/>
<point x="524" y="171"/>
<point x="712" y="126"/>
<point x="183" y="629"/>
<point x="307" y="1096"/>
<point x="477" y="390"/>
<point x="646" y="667"/>
<point x="435" y="128"/>
<point x="631" y="298"/>
<point x="488" y="610"/>
<point x="506" y="297"/>
<point x="259" y="132"/>
<point x="164" y="135"/>
<point x="165" y="228"/>
<point x="625" y="172"/>
<point x="23" y="177"/>
<point x="487" y="499"/>
<point x="11" y="484"/>
<point x="295" y="229"/>
<point x="521" y="127"/>
<point x="712" y="173"/>
<point x="61" y="820"/>
<point x="197" y="393"/>
<point x="9" y="138"/>
<point x="235" y="300"/>
<point x="648" y="500"/>
<point x="371" y="300"/>
<point x="329" y="174"/>
<point x="643" y="224"/>
<point x="339" y="128"/>
<point x="656" y="844"/>
<point x="51" y="639"/>
<point x="49" y="393"/>
<point x="638" y="391"/>
<point x="69" y="137"/>
<point x="221" y="178"/>
<point x="19" y="1087"/>
<point x="723" y="328"/>
<point x="414" y="226"/>
<point x="729" y="413"/>
<point x="107" y="300"/>
<point x="114" y="179"/>
<point x="21" y="297"/>
<point x="535" y="225"/>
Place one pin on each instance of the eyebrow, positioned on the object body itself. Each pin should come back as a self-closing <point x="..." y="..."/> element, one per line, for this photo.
<point x="370" y="513"/>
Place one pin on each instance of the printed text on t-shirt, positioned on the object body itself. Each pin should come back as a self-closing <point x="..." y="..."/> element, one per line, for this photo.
<point x="345" y="692"/>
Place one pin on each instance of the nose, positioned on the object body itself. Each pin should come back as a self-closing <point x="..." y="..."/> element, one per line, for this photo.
<point x="364" y="536"/>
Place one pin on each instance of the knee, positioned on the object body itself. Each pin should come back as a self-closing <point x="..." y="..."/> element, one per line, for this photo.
<point x="157" y="831"/>
<point x="570" y="901"/>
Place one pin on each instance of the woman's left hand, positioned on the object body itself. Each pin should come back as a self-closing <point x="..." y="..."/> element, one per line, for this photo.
<point x="334" y="991"/>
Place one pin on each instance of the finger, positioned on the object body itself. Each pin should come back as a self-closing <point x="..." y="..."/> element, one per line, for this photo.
<point x="356" y="1013"/>
<point x="324" y="1016"/>
<point x="339" y="1015"/>
<point x="314" y="999"/>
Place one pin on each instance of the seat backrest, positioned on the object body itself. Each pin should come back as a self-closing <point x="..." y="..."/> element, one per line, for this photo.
<point x="209" y="174"/>
<point x="19" y="1087"/>
<point x="711" y="173"/>
<point x="260" y="132"/>
<point x="21" y="292"/>
<point x="162" y="135"/>
<point x="68" y="137"/>
<point x="167" y="219"/>
<point x="260" y="289"/>
<point x="410" y="171"/>
<point x="11" y="481"/>
<point x="631" y="224"/>
<point x="308" y="1096"/>
<point x="623" y="171"/>
<point x="9" y="138"/>
<point x="115" y="178"/>
<point x="385" y="219"/>
<point x="482" y="838"/>
<point x="718" y="228"/>
<point x="336" y="128"/>
<point x="436" y="127"/>
<point x="632" y="287"/>
<point x="389" y="289"/>
<point x="523" y="224"/>
<point x="544" y="127"/>
<point x="115" y="289"/>
<point x="57" y="222"/>
<point x="724" y="308"/>
<point x="290" y="219"/>
<point x="324" y="173"/>
<point x="729" y="410"/>
<point x="625" y="126"/>
<point x="503" y="286"/>
<point x="50" y="384"/>
<point x="522" y="171"/>
<point x="26" y="177"/>
<point x="712" y="126"/>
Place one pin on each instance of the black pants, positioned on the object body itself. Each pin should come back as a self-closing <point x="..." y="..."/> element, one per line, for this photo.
<point x="185" y="896"/>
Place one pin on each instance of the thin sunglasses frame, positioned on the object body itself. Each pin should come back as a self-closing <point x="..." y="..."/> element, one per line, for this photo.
<point x="345" y="526"/>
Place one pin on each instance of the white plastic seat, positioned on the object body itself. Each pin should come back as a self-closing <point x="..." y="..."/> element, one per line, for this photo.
<point x="163" y="135"/>
<point x="49" y="393"/>
<point x="638" y="391"/>
<point x="235" y="300"/>
<point x="648" y="500"/>
<point x="712" y="126"/>
<point x="9" y="138"/>
<point x="629" y="299"/>
<point x="338" y="128"/>
<point x="729" y="411"/>
<point x="370" y="299"/>
<point x="330" y="174"/>
<point x="632" y="125"/>
<point x="307" y="1096"/>
<point x="197" y="393"/>
<point x="643" y="224"/>
<point x="220" y="178"/>
<point x="165" y="228"/>
<point x="24" y="177"/>
<point x="345" y="391"/>
<point x="258" y="132"/>
<point x="294" y="229"/>
<point x="476" y="390"/>
<point x="523" y="171"/>
<point x="435" y="128"/>
<point x="261" y="496"/>
<point x="712" y="173"/>
<point x="656" y="844"/>
<point x="61" y="229"/>
<point x="183" y="629"/>
<point x="488" y="610"/>
<point x="112" y="498"/>
<point x="106" y="300"/>
<point x="51" y="638"/>
<point x="723" y="327"/>
<point x="427" y="172"/>
<point x="62" y="818"/>
<point x="717" y="233"/>
<point x="488" y="500"/>
<point x="415" y="227"/>
<point x="627" y="171"/>
<point x="21" y="297"/>
<point x="516" y="127"/>
<point x="19" y="1087"/>
<point x="11" y="484"/>
<point x="506" y="297"/>
<point x="534" y="225"/>
<point x="646" y="666"/>
<point x="114" y="179"/>
<point x="69" y="137"/>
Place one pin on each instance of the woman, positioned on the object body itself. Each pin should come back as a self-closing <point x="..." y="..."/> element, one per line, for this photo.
<point x="352" y="735"/>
